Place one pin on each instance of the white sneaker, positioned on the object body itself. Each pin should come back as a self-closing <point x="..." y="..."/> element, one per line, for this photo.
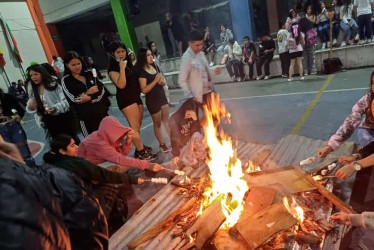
<point x="233" y="78"/>
<point x="239" y="79"/>
<point x="266" y="78"/>
<point x="334" y="42"/>
<point x="368" y="41"/>
<point x="343" y="44"/>
<point x="259" y="77"/>
<point x="350" y="42"/>
<point x="211" y="64"/>
<point x="328" y="45"/>
<point x="313" y="73"/>
<point x="323" y="46"/>
<point x="361" y="42"/>
<point x="302" y="78"/>
<point x="306" y="73"/>
<point x="290" y="79"/>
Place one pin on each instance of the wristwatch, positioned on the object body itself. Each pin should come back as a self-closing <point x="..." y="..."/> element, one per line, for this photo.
<point x="357" y="166"/>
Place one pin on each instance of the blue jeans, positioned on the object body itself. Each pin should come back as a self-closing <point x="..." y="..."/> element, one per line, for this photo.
<point x="13" y="132"/>
<point x="335" y="30"/>
<point x="365" y="136"/>
<point x="364" y="26"/>
<point x="323" y="31"/>
<point x="346" y="29"/>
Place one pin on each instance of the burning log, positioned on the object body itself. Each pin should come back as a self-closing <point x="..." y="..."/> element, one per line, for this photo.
<point x="207" y="223"/>
<point x="304" y="238"/>
<point x="265" y="223"/>
<point x="166" y="224"/>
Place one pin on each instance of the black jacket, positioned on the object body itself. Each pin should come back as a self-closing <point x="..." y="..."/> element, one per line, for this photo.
<point x="73" y="88"/>
<point x="182" y="129"/>
<point x="30" y="215"/>
<point x="8" y="102"/>
<point x="82" y="213"/>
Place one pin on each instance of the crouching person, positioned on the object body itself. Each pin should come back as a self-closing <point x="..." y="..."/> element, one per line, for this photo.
<point x="105" y="145"/>
<point x="187" y="143"/>
<point x="63" y="154"/>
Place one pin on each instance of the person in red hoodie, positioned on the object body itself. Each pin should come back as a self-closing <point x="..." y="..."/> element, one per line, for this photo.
<point x="105" y="145"/>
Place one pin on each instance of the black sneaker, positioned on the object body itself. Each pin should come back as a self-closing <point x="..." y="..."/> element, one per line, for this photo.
<point x="148" y="149"/>
<point x="144" y="155"/>
<point x="164" y="149"/>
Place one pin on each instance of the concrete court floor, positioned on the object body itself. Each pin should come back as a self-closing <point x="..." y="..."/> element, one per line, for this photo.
<point x="262" y="111"/>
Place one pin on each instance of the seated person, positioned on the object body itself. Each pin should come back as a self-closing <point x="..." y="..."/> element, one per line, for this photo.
<point x="187" y="143"/>
<point x="249" y="56"/>
<point x="63" y="154"/>
<point x="267" y="47"/>
<point x="235" y="61"/>
<point x="105" y="145"/>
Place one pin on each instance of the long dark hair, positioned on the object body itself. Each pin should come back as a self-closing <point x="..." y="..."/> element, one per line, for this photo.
<point x="70" y="56"/>
<point x="58" y="142"/>
<point x="113" y="63"/>
<point x="48" y="82"/>
<point x="142" y="59"/>
<point x="305" y="25"/>
<point x="346" y="6"/>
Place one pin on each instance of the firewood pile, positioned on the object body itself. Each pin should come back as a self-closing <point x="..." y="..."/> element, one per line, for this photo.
<point x="265" y="223"/>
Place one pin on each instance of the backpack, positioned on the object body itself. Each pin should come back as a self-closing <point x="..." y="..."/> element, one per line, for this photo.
<point x="310" y="38"/>
<point x="291" y="43"/>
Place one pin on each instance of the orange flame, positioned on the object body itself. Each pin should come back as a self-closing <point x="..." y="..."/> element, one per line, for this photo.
<point x="252" y="168"/>
<point x="295" y="210"/>
<point x="225" y="169"/>
<point x="317" y="178"/>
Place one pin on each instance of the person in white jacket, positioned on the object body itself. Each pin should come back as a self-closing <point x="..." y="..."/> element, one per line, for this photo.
<point x="347" y="23"/>
<point x="234" y="65"/>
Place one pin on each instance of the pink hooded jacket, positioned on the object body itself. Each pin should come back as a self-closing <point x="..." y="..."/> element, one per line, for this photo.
<point x="105" y="145"/>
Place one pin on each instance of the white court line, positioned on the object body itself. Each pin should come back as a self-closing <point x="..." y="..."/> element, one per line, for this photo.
<point x="297" y="93"/>
<point x="276" y="95"/>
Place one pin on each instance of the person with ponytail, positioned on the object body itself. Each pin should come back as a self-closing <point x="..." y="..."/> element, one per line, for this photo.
<point x="85" y="93"/>
<point x="63" y="154"/>
<point x="296" y="54"/>
<point x="47" y="100"/>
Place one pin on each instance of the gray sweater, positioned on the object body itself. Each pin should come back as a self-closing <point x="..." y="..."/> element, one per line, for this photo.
<point x="55" y="99"/>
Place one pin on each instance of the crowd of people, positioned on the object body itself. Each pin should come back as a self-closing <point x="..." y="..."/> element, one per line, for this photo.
<point x="75" y="195"/>
<point x="296" y="39"/>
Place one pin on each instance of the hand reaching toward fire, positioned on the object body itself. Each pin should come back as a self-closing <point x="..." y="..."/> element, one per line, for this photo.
<point x="345" y="172"/>
<point x="323" y="152"/>
<point x="340" y="218"/>
<point x="346" y="159"/>
<point x="156" y="167"/>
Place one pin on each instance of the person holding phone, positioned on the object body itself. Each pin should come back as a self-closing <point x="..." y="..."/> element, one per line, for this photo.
<point x="151" y="84"/>
<point x="123" y="75"/>
<point x="85" y="93"/>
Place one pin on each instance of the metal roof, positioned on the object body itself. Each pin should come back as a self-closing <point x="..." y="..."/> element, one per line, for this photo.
<point x="290" y="150"/>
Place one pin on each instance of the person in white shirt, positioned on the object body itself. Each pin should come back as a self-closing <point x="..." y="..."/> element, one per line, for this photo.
<point x="59" y="64"/>
<point x="347" y="23"/>
<point x="363" y="9"/>
<point x="282" y="48"/>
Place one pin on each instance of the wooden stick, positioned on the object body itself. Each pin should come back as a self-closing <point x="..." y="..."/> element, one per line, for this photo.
<point x="207" y="223"/>
<point x="163" y="225"/>
<point x="330" y="196"/>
